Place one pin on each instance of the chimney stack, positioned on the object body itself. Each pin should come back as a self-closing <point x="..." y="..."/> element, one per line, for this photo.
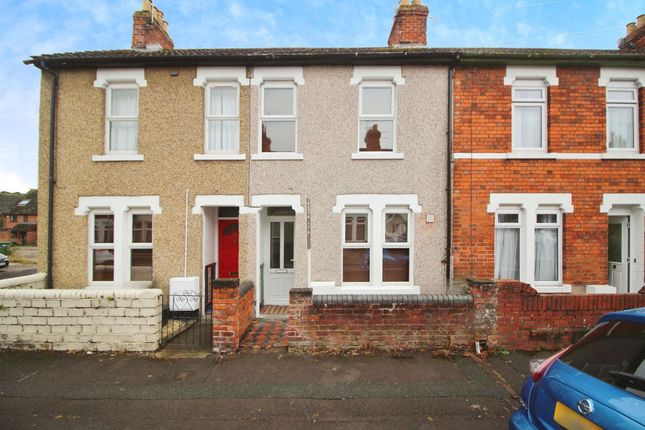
<point x="635" y="37"/>
<point x="409" y="27"/>
<point x="149" y="30"/>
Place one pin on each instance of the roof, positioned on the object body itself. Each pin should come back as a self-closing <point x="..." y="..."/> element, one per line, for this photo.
<point x="7" y="200"/>
<point x="26" y="226"/>
<point x="308" y="56"/>
<point x="26" y="205"/>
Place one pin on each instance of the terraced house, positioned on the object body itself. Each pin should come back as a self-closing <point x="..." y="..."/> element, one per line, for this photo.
<point x="352" y="171"/>
<point x="287" y="167"/>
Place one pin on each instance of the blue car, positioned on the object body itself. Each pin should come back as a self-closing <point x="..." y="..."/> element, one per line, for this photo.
<point x="596" y="383"/>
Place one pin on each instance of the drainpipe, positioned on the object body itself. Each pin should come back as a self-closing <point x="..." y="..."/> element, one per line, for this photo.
<point x="451" y="71"/>
<point x="52" y="178"/>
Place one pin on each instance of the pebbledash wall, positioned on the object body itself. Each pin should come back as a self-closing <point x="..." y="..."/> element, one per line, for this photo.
<point x="576" y="121"/>
<point x="502" y="314"/>
<point x="80" y="320"/>
<point x="171" y="131"/>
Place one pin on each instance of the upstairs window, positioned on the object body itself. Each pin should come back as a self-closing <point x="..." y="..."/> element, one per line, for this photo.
<point x="622" y="116"/>
<point x="529" y="108"/>
<point x="222" y="118"/>
<point x="122" y="118"/>
<point x="376" y="116"/>
<point x="279" y="117"/>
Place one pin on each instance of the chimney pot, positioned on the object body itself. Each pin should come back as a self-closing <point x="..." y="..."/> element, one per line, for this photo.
<point x="630" y="27"/>
<point x="146" y="5"/>
<point x="640" y="21"/>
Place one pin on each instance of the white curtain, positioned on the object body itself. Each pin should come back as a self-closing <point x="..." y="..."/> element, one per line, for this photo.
<point x="546" y="254"/>
<point x="123" y="135"/>
<point x="124" y="102"/>
<point x="620" y="127"/>
<point x="507" y="253"/>
<point x="223" y="101"/>
<point x="527" y="126"/>
<point x="223" y="135"/>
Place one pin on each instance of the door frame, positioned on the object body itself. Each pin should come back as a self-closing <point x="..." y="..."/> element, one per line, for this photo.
<point x="266" y="246"/>
<point x="626" y="252"/>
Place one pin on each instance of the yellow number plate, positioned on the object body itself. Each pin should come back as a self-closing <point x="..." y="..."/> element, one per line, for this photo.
<point x="571" y="420"/>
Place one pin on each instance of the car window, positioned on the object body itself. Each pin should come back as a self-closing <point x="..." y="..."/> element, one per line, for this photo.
<point x="614" y="352"/>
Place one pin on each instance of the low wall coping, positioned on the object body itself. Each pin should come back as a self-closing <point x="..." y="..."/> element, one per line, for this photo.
<point x="152" y="293"/>
<point x="22" y="280"/>
<point x="245" y="287"/>
<point x="393" y="299"/>
<point x="226" y="283"/>
<point x="473" y="281"/>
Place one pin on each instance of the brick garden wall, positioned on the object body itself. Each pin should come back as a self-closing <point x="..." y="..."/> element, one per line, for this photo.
<point x="80" y="320"/>
<point x="509" y="314"/>
<point x="233" y="311"/>
<point x="576" y="123"/>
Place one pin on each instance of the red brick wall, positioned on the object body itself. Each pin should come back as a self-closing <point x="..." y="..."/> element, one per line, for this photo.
<point x="232" y="313"/>
<point x="146" y="31"/>
<point x="409" y="26"/>
<point x="576" y="121"/>
<point x="482" y="110"/>
<point x="511" y="315"/>
<point x="528" y="321"/>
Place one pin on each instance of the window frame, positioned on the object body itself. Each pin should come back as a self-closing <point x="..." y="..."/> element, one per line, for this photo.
<point x="357" y="210"/>
<point x="376" y="117"/>
<point x="210" y="117"/>
<point x="616" y="86"/>
<point x="279" y="118"/>
<point x="131" y="245"/>
<point x="92" y="245"/>
<point x="557" y="225"/>
<point x="519" y="226"/>
<point x="109" y="118"/>
<point x="13" y="218"/>
<point x="542" y="103"/>
<point x="409" y="244"/>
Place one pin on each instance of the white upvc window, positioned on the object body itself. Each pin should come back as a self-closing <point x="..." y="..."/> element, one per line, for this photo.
<point x="529" y="111"/>
<point x="278" y="117"/>
<point x="222" y="118"/>
<point x="548" y="247"/>
<point x="140" y="246"/>
<point x="508" y="224"/>
<point x="101" y="247"/>
<point x="357" y="245"/>
<point x="397" y="244"/>
<point x="122" y="118"/>
<point x="622" y="116"/>
<point x="377" y="116"/>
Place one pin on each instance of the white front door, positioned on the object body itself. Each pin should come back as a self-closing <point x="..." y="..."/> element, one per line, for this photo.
<point x="278" y="259"/>
<point x="618" y="253"/>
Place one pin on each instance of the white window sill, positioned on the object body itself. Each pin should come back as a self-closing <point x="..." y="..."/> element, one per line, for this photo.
<point x="549" y="156"/>
<point x="377" y="155"/>
<point x="322" y="288"/>
<point x="223" y="156"/>
<point x="552" y="289"/>
<point x="115" y="157"/>
<point x="277" y="156"/>
<point x="111" y="286"/>
<point x="600" y="289"/>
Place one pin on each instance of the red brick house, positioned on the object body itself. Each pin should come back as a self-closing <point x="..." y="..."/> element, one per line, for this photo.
<point x="21" y="220"/>
<point x="549" y="169"/>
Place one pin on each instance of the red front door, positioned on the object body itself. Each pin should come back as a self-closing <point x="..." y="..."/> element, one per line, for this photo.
<point x="228" y="250"/>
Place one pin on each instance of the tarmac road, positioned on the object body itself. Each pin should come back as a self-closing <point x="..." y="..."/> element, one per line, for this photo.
<point x="268" y="390"/>
<point x="15" y="270"/>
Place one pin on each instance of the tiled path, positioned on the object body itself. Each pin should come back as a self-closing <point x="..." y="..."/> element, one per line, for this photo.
<point x="265" y="334"/>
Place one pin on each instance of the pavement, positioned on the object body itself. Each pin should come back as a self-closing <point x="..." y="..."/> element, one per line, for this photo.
<point x="268" y="390"/>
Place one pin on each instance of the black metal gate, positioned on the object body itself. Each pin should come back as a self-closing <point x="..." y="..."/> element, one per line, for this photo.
<point x="186" y="321"/>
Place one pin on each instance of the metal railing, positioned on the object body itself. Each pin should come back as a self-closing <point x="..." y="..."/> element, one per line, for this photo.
<point x="184" y="323"/>
<point x="210" y="274"/>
